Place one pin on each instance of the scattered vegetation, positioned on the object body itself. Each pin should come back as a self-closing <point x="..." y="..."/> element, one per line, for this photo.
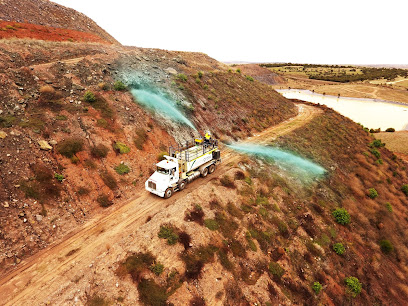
<point x="276" y="270"/>
<point x="122" y="169"/>
<point x="196" y="215"/>
<point x="339" y="248"/>
<point x="372" y="193"/>
<point x="103" y="200"/>
<point x="121" y="147"/>
<point x="388" y="206"/>
<point x="119" y="86"/>
<point x="249" y="78"/>
<point x="317" y="287"/>
<point x="390" y="130"/>
<point x="168" y="232"/>
<point x="211" y="224"/>
<point x="181" y="77"/>
<point x="99" y="151"/>
<point x="353" y="285"/>
<point x="157" y="268"/>
<point x="59" y="177"/>
<point x="89" y="96"/>
<point x="341" y="216"/>
<point x="404" y="189"/>
<point x="69" y="147"/>
<point x="195" y="259"/>
<point x="386" y="246"/>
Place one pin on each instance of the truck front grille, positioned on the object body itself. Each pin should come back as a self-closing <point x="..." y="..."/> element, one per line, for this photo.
<point x="152" y="185"/>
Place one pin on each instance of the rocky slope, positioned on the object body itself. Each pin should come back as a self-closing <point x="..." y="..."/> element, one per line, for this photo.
<point x="43" y="87"/>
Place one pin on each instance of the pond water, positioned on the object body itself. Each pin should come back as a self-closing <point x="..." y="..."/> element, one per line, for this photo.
<point x="371" y="113"/>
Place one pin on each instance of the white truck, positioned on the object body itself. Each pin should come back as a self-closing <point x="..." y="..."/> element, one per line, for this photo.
<point x="184" y="163"/>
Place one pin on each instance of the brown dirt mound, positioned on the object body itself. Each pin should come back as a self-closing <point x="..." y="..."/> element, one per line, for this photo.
<point x="261" y="74"/>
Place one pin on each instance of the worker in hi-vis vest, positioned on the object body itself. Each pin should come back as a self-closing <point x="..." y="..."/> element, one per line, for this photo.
<point x="207" y="137"/>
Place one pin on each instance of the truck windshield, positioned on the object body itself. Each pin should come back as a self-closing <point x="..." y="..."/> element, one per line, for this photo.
<point x="162" y="170"/>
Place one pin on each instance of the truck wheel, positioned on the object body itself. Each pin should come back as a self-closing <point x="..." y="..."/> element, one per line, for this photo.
<point x="168" y="193"/>
<point x="211" y="169"/>
<point x="205" y="172"/>
<point x="182" y="185"/>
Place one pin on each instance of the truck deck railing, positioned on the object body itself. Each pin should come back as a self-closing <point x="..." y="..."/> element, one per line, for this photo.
<point x="192" y="149"/>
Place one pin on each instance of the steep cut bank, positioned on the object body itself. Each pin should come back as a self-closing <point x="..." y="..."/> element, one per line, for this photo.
<point x="74" y="139"/>
<point x="47" y="13"/>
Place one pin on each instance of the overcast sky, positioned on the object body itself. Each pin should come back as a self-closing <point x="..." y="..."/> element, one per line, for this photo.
<point x="298" y="31"/>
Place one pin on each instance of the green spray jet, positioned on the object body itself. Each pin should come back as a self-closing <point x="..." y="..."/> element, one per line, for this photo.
<point x="286" y="160"/>
<point x="159" y="103"/>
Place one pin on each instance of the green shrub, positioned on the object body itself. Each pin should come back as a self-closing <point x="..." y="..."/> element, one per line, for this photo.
<point x="157" y="268"/>
<point x="339" y="248"/>
<point x="375" y="153"/>
<point x="89" y="96"/>
<point x="390" y="130"/>
<point x="404" y="189"/>
<point x="99" y="151"/>
<point x="386" y="246"/>
<point x="238" y="70"/>
<point x="353" y="285"/>
<point x="372" y="193"/>
<point x="121" y="147"/>
<point x="119" y="86"/>
<point x="249" y="78"/>
<point x="377" y="144"/>
<point x="211" y="224"/>
<point x="388" y="206"/>
<point x="341" y="216"/>
<point x="151" y="293"/>
<point x="276" y="269"/>
<point x="69" y="147"/>
<point x="317" y="287"/>
<point x="122" y="169"/>
<point x="59" y="177"/>
<point x="205" y="87"/>
<point x="97" y="300"/>
<point x="104" y="201"/>
<point x="167" y="232"/>
<point x="200" y="74"/>
<point x="182" y="77"/>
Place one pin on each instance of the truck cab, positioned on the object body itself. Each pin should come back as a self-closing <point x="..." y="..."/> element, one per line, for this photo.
<point x="165" y="177"/>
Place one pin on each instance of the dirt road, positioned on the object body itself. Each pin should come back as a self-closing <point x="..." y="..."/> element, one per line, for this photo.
<point x="48" y="272"/>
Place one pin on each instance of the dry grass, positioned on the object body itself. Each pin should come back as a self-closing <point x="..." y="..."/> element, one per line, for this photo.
<point x="397" y="141"/>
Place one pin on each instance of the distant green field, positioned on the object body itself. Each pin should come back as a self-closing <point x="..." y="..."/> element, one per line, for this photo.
<point x="335" y="73"/>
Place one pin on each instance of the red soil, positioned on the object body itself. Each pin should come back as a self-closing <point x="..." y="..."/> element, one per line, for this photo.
<point x="9" y="29"/>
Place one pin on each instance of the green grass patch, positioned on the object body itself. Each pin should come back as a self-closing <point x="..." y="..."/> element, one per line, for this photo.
<point x="211" y="224"/>
<point x="168" y="232"/>
<point x="122" y="169"/>
<point x="121" y="147"/>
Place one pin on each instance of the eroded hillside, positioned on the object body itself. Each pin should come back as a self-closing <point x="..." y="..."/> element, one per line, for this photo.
<point x="72" y="143"/>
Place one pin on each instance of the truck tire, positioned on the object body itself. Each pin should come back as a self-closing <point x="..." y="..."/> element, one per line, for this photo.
<point x="168" y="193"/>
<point x="211" y="169"/>
<point x="182" y="185"/>
<point x="205" y="172"/>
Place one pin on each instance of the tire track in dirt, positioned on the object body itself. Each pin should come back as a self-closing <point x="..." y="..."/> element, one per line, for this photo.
<point x="48" y="271"/>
